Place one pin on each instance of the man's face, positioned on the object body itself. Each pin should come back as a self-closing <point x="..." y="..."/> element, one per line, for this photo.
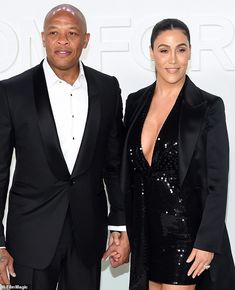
<point x="64" y="38"/>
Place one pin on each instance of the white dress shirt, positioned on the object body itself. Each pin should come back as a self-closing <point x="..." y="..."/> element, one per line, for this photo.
<point x="69" y="105"/>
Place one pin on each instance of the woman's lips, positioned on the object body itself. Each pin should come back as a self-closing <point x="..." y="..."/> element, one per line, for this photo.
<point x="172" y="70"/>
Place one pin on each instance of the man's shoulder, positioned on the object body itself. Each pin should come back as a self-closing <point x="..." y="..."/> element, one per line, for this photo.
<point x="91" y="72"/>
<point x="21" y="77"/>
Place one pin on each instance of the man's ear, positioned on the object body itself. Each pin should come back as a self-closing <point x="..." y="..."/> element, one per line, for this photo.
<point x="86" y="40"/>
<point x="43" y="38"/>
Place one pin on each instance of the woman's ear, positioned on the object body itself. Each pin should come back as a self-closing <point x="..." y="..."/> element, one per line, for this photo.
<point x="189" y="52"/>
<point x="151" y="53"/>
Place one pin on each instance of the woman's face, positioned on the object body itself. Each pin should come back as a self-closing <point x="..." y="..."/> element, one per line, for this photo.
<point x="171" y="53"/>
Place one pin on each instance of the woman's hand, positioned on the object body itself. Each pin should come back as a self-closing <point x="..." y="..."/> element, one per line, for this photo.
<point x="201" y="261"/>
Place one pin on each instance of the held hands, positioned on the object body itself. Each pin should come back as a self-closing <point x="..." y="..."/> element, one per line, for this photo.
<point x="118" y="250"/>
<point x="6" y="267"/>
<point x="201" y="261"/>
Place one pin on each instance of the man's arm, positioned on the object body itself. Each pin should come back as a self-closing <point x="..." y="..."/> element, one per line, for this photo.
<point x="113" y="157"/>
<point x="6" y="150"/>
<point x="118" y="236"/>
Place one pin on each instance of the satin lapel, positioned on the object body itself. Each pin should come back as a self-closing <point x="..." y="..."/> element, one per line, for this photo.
<point x="47" y="126"/>
<point x="91" y="131"/>
<point x="141" y="103"/>
<point x="191" y="117"/>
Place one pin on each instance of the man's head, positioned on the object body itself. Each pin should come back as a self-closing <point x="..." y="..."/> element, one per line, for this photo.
<point x="64" y="37"/>
<point x="69" y="8"/>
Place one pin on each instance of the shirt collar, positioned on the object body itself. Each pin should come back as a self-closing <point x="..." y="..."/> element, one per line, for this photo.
<point x="52" y="78"/>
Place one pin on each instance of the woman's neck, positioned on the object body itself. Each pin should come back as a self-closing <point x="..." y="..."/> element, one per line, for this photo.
<point x="168" y="90"/>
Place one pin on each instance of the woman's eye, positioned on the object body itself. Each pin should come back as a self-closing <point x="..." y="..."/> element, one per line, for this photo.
<point x="163" y="50"/>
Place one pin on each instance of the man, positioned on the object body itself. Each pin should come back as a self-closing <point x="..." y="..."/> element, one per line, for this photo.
<point x="65" y="122"/>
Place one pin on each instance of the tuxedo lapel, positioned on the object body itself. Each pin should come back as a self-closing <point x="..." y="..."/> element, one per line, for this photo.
<point x="47" y="126"/>
<point x="143" y="98"/>
<point x="191" y="117"/>
<point x="91" y="131"/>
<point x="141" y="103"/>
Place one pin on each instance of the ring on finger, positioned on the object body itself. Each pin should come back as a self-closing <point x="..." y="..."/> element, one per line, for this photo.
<point x="206" y="267"/>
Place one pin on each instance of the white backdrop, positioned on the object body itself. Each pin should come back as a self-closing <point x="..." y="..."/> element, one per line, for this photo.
<point x="119" y="43"/>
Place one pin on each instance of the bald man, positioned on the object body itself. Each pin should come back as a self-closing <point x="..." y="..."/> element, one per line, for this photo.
<point x="64" y="121"/>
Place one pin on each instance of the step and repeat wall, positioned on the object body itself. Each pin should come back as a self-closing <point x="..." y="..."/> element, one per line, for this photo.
<point x="119" y="46"/>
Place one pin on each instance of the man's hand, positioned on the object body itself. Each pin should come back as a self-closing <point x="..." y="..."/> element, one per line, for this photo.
<point x="6" y="267"/>
<point x="118" y="250"/>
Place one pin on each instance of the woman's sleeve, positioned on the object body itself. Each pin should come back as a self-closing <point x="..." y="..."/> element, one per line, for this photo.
<point x="210" y="233"/>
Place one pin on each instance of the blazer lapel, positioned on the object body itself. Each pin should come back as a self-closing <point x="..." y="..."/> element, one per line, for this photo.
<point x="47" y="126"/>
<point x="143" y="98"/>
<point x="91" y="131"/>
<point x="142" y="101"/>
<point x="191" y="117"/>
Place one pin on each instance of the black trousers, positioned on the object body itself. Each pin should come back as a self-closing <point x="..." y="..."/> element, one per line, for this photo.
<point x="66" y="271"/>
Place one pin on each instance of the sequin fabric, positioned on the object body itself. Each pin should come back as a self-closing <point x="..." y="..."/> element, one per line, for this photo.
<point x="169" y="228"/>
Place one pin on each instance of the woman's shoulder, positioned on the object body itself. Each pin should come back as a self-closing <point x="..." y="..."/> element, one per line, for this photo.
<point x="134" y="97"/>
<point x="203" y="95"/>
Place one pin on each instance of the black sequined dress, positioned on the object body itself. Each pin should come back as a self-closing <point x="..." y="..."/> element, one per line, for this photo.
<point x="169" y="223"/>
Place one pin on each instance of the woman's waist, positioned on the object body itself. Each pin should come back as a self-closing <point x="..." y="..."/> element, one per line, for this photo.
<point x="149" y="173"/>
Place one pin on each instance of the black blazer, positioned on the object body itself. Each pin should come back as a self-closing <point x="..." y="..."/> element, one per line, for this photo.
<point x="203" y="170"/>
<point x="42" y="187"/>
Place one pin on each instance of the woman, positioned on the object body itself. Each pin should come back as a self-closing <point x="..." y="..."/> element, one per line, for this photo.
<point x="175" y="174"/>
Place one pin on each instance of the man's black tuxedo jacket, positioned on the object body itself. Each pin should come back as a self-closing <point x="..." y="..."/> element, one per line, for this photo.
<point x="42" y="187"/>
<point x="203" y="171"/>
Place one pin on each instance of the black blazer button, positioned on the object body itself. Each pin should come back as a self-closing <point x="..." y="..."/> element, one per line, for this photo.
<point x="73" y="181"/>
